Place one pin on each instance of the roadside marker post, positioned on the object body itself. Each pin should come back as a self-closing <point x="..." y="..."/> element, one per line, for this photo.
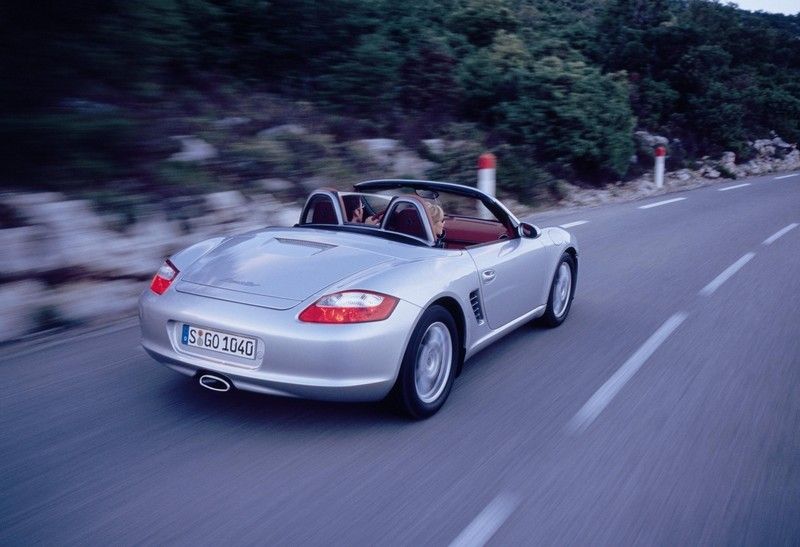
<point x="487" y="175"/>
<point x="660" y="154"/>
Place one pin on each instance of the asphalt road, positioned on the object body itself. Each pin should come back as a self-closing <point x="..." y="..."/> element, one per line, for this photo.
<point x="666" y="410"/>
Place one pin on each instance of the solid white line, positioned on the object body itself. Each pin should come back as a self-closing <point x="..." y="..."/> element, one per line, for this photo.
<point x="771" y="239"/>
<point x="787" y="176"/>
<point x="594" y="406"/>
<point x="571" y="224"/>
<point x="709" y="289"/>
<point x="659" y="203"/>
<point x="487" y="522"/>
<point x="733" y="187"/>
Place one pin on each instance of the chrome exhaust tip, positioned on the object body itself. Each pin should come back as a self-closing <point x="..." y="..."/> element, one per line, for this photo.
<point x="214" y="383"/>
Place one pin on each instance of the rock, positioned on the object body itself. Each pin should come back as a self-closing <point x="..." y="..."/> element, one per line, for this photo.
<point x="764" y="147"/>
<point x="194" y="149"/>
<point x="648" y="140"/>
<point x="408" y="164"/>
<point x="683" y="175"/>
<point x="780" y="143"/>
<point x="380" y="151"/>
<point x="289" y="129"/>
<point x="398" y="160"/>
<point x="379" y="146"/>
<point x="68" y="234"/>
<point x="727" y="165"/>
<point x="21" y="302"/>
<point x="140" y="252"/>
<point x="225" y="200"/>
<point x="66" y="215"/>
<point x="84" y="301"/>
<point x="231" y="121"/>
<point x="755" y="167"/>
<point x="791" y="161"/>
<point x="286" y="216"/>
<point x="313" y="183"/>
<point x="276" y="185"/>
<point x="435" y="146"/>
<point x="21" y="251"/>
<point x="226" y="207"/>
<point x="728" y="160"/>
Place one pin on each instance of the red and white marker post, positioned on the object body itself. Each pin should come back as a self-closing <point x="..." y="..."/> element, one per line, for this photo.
<point x="660" y="154"/>
<point x="487" y="175"/>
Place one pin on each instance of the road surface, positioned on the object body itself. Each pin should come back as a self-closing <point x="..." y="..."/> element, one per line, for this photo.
<point x="665" y="411"/>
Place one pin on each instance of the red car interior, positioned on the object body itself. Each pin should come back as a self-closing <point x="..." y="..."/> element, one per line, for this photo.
<point x="461" y="232"/>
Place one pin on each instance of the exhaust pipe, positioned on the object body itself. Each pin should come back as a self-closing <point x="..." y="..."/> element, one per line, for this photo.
<point x="214" y="383"/>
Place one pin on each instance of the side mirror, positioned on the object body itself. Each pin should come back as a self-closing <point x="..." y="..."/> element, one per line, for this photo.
<point x="528" y="230"/>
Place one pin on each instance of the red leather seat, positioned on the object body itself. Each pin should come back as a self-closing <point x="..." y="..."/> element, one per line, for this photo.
<point x="323" y="213"/>
<point x="406" y="220"/>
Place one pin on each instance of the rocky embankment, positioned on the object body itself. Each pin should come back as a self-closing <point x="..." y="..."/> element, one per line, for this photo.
<point x="66" y="265"/>
<point x="63" y="263"/>
<point x="769" y="156"/>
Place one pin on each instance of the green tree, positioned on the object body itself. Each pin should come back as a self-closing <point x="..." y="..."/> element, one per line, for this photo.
<point x="577" y="118"/>
<point x="480" y="20"/>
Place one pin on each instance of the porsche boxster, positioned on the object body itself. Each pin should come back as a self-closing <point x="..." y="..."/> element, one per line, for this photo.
<point x="365" y="298"/>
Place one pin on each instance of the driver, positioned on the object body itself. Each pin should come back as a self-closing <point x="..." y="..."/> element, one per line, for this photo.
<point x="355" y="205"/>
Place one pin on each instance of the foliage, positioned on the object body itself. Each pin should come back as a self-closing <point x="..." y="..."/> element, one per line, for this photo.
<point x="556" y="85"/>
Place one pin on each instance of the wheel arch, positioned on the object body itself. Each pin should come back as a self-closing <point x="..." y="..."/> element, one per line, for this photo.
<point x="573" y="252"/>
<point x="454" y="308"/>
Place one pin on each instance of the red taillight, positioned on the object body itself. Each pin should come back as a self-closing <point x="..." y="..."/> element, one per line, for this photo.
<point x="350" y="307"/>
<point x="164" y="277"/>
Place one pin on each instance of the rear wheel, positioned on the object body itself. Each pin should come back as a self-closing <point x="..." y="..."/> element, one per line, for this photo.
<point x="429" y="364"/>
<point x="561" y="292"/>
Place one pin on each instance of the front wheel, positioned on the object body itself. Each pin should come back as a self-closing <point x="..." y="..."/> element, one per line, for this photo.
<point x="429" y="364"/>
<point x="561" y="292"/>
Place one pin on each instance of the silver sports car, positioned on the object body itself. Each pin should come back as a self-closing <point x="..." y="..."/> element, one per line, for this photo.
<point x="383" y="291"/>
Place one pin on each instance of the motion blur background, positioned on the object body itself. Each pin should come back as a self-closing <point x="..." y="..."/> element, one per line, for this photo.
<point x="130" y="129"/>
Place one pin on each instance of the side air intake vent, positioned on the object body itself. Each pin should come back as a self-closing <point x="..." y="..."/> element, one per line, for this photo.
<point x="477" y="309"/>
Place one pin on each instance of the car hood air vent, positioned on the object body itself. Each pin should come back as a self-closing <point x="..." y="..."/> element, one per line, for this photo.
<point x="477" y="309"/>
<point x="304" y="243"/>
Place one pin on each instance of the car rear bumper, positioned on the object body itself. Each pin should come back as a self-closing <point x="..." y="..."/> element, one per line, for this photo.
<point x="357" y="362"/>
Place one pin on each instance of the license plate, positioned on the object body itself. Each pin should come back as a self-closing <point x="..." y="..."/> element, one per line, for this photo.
<point x="222" y="342"/>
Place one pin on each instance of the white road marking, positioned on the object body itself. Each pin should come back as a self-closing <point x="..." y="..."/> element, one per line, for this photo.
<point x="659" y="203"/>
<point x="709" y="289"/>
<point x="771" y="239"/>
<point x="483" y="527"/>
<point x="787" y="176"/>
<point x="594" y="406"/>
<point x="571" y="224"/>
<point x="733" y="187"/>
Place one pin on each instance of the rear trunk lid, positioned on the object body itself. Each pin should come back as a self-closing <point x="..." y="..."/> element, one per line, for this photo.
<point x="272" y="271"/>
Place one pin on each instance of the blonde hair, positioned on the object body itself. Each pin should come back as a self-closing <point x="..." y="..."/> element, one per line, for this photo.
<point x="435" y="211"/>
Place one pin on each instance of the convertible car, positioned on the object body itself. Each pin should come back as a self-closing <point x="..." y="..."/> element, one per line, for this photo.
<point x="363" y="299"/>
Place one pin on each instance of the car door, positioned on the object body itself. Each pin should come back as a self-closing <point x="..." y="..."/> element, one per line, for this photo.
<point x="512" y="276"/>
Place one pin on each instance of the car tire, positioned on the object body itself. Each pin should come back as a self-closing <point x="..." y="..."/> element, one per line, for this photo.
<point x="429" y="365"/>
<point x="562" y="291"/>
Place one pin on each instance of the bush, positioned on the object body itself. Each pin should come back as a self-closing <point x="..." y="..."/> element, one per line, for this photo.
<point x="518" y="172"/>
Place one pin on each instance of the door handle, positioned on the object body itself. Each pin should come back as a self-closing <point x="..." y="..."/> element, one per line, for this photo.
<point x="488" y="275"/>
